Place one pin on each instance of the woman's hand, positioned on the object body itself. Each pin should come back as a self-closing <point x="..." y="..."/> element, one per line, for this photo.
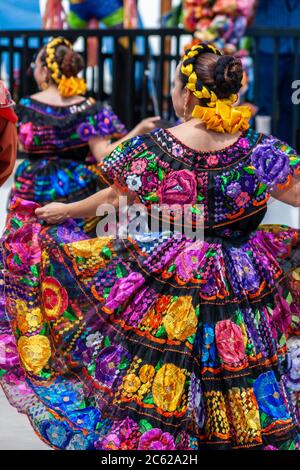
<point x="55" y="213"/>
<point x="146" y="125"/>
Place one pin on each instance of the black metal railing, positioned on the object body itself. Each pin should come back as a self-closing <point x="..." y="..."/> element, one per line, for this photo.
<point x="142" y="63"/>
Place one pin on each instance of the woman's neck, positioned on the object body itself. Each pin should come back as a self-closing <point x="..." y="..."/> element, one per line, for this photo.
<point x="194" y="134"/>
<point x="52" y="96"/>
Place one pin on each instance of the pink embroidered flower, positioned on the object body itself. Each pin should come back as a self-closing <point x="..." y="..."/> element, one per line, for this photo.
<point x="26" y="134"/>
<point x="8" y="352"/>
<point x="123" y="289"/>
<point x="155" y="439"/>
<point x="212" y="160"/>
<point x="179" y="187"/>
<point x="281" y="318"/>
<point x="230" y="342"/>
<point x="139" y="166"/>
<point x="244" y="143"/>
<point x="189" y="260"/>
<point x="24" y="243"/>
<point x="242" y="199"/>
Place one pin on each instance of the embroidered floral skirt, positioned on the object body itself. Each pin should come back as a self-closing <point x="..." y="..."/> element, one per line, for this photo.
<point x="57" y="180"/>
<point x="170" y="344"/>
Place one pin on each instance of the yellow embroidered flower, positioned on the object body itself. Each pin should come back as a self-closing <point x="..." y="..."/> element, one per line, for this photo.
<point x="146" y="373"/>
<point x="88" y="248"/>
<point x="296" y="274"/>
<point x="34" y="352"/>
<point x="131" y="383"/>
<point x="168" y="387"/>
<point x="180" y="321"/>
<point x="253" y="419"/>
<point x="28" y="320"/>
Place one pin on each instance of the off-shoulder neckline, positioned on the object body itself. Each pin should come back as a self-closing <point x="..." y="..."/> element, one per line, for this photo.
<point x="207" y="152"/>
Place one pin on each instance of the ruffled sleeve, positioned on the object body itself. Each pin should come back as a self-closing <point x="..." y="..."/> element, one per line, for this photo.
<point x="45" y="130"/>
<point x="101" y="122"/>
<point x="275" y="163"/>
<point x="121" y="168"/>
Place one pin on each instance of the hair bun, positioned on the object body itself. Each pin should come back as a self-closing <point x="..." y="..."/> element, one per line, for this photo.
<point x="228" y="76"/>
<point x="71" y="64"/>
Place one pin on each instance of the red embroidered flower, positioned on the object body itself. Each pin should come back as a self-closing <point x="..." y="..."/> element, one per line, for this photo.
<point x="179" y="187"/>
<point x="212" y="160"/>
<point x="242" y="199"/>
<point x="230" y="342"/>
<point x="55" y="298"/>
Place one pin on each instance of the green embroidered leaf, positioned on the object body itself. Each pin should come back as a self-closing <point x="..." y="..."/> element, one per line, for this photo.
<point x="172" y="268"/>
<point x="45" y="330"/>
<point x="2" y="372"/>
<point x="106" y="291"/>
<point x="294" y="161"/>
<point x="295" y="319"/>
<point x="15" y="223"/>
<point x="17" y="259"/>
<point x="35" y="270"/>
<point x="106" y="252"/>
<point x="149" y="156"/>
<point x="152" y="166"/>
<point x="18" y="332"/>
<point x="191" y="338"/>
<point x="106" y="342"/>
<point x="69" y="315"/>
<point x="149" y="400"/>
<point x="161" y="332"/>
<point x="160" y="174"/>
<point x="249" y="169"/>
<point x="152" y="197"/>
<point x="159" y="365"/>
<point x="91" y="369"/>
<point x="197" y="310"/>
<point x="261" y="189"/>
<point x="123" y="365"/>
<point x="282" y="340"/>
<point x="144" y="426"/>
<point x="120" y="271"/>
<point x="257" y="316"/>
<point x="74" y="136"/>
<point x="200" y="197"/>
<point x="45" y="374"/>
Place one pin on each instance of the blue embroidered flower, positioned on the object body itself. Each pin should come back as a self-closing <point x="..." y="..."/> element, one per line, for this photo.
<point x="86" y="418"/>
<point x="55" y="432"/>
<point x="269" y="396"/>
<point x="206" y="345"/>
<point x="78" y="442"/>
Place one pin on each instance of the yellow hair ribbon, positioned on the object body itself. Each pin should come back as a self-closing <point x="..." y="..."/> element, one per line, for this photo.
<point x="71" y="86"/>
<point x="223" y="117"/>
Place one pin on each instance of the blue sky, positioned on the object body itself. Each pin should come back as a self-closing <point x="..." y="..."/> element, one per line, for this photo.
<point x="20" y="14"/>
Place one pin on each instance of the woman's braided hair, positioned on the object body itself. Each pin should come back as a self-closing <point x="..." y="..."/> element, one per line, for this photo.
<point x="212" y="78"/>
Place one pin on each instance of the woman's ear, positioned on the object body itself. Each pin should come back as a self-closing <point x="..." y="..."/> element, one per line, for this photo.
<point x="46" y="74"/>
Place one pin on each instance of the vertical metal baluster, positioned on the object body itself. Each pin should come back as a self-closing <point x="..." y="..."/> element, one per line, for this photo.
<point x="130" y="101"/>
<point x="295" y="123"/>
<point x="275" y="97"/>
<point x="146" y="71"/>
<point x="24" y="67"/>
<point x="100" y="69"/>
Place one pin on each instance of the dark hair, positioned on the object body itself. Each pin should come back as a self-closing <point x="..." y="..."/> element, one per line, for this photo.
<point x="70" y="62"/>
<point x="221" y="74"/>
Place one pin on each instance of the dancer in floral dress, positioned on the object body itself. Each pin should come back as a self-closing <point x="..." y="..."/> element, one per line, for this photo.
<point x="59" y="130"/>
<point x="165" y="342"/>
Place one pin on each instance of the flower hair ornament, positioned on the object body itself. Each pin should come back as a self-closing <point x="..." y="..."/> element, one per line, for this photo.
<point x="67" y="86"/>
<point x="218" y="114"/>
